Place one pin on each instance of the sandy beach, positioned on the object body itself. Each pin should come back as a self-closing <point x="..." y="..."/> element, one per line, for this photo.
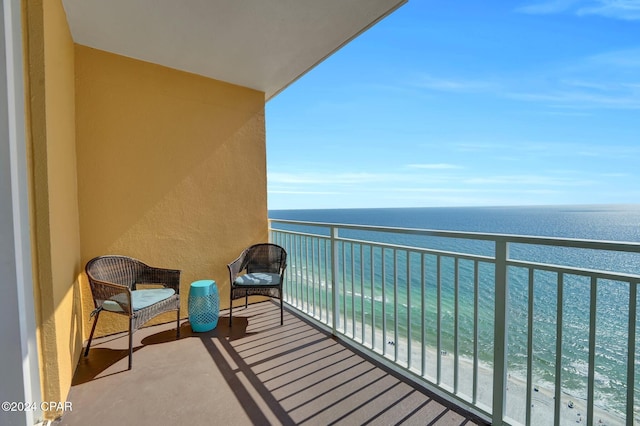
<point x="542" y="401"/>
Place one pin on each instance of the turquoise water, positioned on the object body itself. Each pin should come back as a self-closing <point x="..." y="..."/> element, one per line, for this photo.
<point x="611" y="223"/>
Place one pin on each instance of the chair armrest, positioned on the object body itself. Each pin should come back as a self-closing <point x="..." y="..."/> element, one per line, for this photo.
<point x="103" y="290"/>
<point x="166" y="277"/>
<point x="235" y="267"/>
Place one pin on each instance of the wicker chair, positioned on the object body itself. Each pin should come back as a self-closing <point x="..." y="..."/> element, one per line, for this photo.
<point x="114" y="281"/>
<point x="263" y="266"/>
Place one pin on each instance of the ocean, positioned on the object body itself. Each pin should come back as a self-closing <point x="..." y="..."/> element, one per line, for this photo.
<point x="595" y="222"/>
<point x="598" y="222"/>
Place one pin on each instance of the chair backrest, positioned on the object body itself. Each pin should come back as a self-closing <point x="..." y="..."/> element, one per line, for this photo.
<point x="265" y="257"/>
<point x="114" y="269"/>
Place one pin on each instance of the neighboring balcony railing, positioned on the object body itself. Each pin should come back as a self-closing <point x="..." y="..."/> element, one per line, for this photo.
<point x="516" y="329"/>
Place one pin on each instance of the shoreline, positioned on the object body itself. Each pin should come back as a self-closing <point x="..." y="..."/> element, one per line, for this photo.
<point x="542" y="400"/>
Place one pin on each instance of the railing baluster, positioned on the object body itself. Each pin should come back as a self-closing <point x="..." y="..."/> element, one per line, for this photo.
<point x="294" y="279"/>
<point x="334" y="277"/>
<point x="409" y="333"/>
<point x="384" y="306"/>
<point x="290" y="268"/>
<point x="396" y="342"/>
<point x="313" y="275"/>
<point x="530" y="307"/>
<point x="287" y="277"/>
<point x="362" y="316"/>
<point x="328" y="266"/>
<point x="558" y="377"/>
<point x="373" y="300"/>
<point x="310" y="277"/>
<point x="343" y="324"/>
<point x="301" y="273"/>
<point x="302" y="259"/>
<point x="306" y="269"/>
<point x="302" y="270"/>
<point x="423" y="317"/>
<point x="353" y="296"/>
<point x="439" y="320"/>
<point x="593" y="303"/>
<point x="317" y="279"/>
<point x="476" y="307"/>
<point x="289" y="272"/>
<point x="631" y="349"/>
<point x="285" y="284"/>
<point x="320" y="270"/>
<point x="500" y="332"/>
<point x="294" y="269"/>
<point x="456" y="323"/>
<point x="297" y="269"/>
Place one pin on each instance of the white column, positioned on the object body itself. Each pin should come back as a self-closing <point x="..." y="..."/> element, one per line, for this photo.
<point x="19" y="371"/>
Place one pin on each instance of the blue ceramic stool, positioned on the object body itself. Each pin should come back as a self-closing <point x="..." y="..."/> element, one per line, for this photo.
<point x="204" y="305"/>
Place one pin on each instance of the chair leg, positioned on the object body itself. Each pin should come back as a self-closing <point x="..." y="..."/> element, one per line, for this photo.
<point x="178" y="323"/>
<point x="93" y="328"/>
<point x="281" y="311"/>
<point x="130" y="342"/>
<point x="230" y="310"/>
<point x="246" y="300"/>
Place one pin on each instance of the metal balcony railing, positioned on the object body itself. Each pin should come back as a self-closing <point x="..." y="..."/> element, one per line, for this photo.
<point x="516" y="329"/>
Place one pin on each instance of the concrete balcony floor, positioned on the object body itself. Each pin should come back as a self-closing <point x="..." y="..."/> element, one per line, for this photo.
<point x="256" y="372"/>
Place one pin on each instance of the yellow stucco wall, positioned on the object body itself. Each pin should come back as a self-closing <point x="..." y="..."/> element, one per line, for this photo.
<point x="131" y="158"/>
<point x="49" y="55"/>
<point x="171" y="170"/>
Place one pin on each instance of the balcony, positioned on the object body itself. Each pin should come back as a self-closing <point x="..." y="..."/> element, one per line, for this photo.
<point x="515" y="329"/>
<point x="449" y="329"/>
<point x="256" y="372"/>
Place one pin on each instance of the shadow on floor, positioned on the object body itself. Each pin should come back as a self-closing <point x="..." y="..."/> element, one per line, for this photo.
<point x="255" y="372"/>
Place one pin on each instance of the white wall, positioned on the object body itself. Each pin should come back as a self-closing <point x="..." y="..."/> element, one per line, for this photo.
<point x="19" y="377"/>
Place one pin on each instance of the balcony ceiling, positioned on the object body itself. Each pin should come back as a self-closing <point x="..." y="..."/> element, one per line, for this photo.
<point x="261" y="44"/>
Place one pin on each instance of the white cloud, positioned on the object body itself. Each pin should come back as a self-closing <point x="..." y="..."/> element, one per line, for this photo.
<point x="451" y="84"/>
<point x="580" y="99"/>
<point x="538" y="180"/>
<point x="583" y="84"/>
<point x="480" y="146"/>
<point x="625" y="58"/>
<point x="608" y="80"/>
<point x="434" y="166"/>
<point x="341" y="183"/>
<point x="310" y="178"/>
<point x="548" y="7"/>
<point x="615" y="175"/>
<point x="628" y="10"/>
<point x="278" y="191"/>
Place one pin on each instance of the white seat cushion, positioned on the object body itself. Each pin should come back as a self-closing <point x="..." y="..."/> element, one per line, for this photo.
<point x="257" y="279"/>
<point x="140" y="299"/>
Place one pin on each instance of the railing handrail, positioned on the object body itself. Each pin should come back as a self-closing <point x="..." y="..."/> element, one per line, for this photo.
<point x="511" y="262"/>
<point x="626" y="246"/>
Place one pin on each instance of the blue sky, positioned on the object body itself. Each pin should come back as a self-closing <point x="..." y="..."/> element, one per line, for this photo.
<point x="471" y="103"/>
